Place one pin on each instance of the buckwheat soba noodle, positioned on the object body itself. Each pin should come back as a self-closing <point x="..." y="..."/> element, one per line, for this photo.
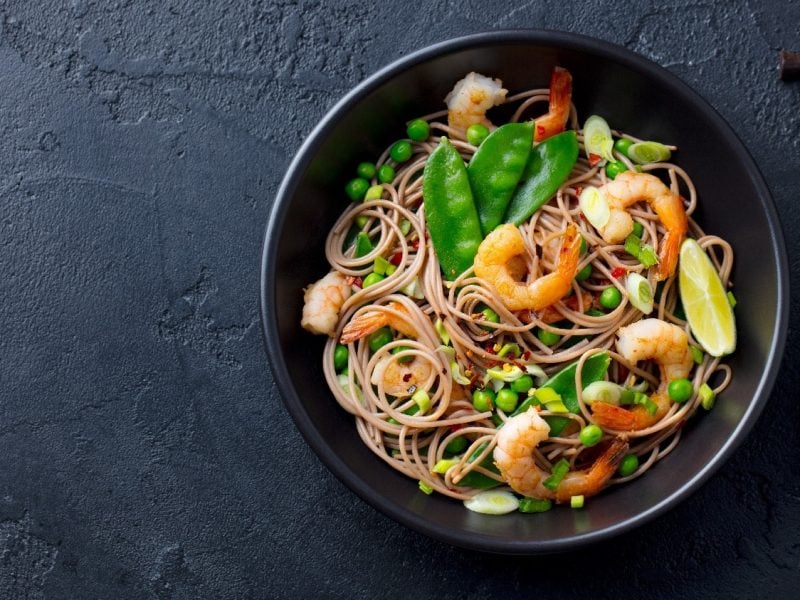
<point x="524" y="313"/>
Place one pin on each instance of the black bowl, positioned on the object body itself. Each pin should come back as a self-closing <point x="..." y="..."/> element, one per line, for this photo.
<point x="632" y="93"/>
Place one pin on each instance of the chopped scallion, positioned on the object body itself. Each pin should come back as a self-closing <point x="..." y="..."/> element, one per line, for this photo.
<point x="707" y="396"/>
<point x="597" y="138"/>
<point x="576" y="501"/>
<point x="594" y="206"/>
<point x="443" y="465"/>
<point x="442" y="331"/>
<point x="560" y="470"/>
<point x="492" y="502"/>
<point x="732" y="299"/>
<point x="510" y="348"/>
<point x="639" y="291"/>
<point x="425" y="488"/>
<point x="423" y="400"/>
<point x="535" y="505"/>
<point x="697" y="354"/>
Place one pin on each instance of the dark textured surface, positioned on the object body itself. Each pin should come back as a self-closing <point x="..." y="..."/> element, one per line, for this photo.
<point x="144" y="452"/>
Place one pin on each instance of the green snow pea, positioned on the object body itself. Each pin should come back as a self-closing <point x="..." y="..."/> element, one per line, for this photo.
<point x="449" y="210"/>
<point x="549" y="165"/>
<point x="496" y="168"/>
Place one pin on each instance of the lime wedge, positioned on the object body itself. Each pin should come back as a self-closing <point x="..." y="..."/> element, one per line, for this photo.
<point x="705" y="302"/>
<point x="648" y="152"/>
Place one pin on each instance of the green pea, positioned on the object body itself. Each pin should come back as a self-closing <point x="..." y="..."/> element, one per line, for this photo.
<point x="356" y="188"/>
<point x="379" y="338"/>
<point x="418" y="130"/>
<point x="523" y="384"/>
<point x="400" y="151"/>
<point x="548" y="338"/>
<point x="483" y="400"/>
<point x="491" y="316"/>
<point x="366" y="170"/>
<point x="372" y="279"/>
<point x="628" y="465"/>
<point x="506" y="400"/>
<point x="680" y="390"/>
<point x="590" y="435"/>
<point x="638" y="229"/>
<point x="402" y="359"/>
<point x="477" y="133"/>
<point x="610" y="297"/>
<point x="584" y="273"/>
<point x="340" y="356"/>
<point x="457" y="445"/>
<point x="614" y="168"/>
<point x="622" y="145"/>
<point x="385" y="174"/>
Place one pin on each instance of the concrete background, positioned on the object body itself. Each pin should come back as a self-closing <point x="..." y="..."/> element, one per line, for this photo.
<point x="144" y="451"/>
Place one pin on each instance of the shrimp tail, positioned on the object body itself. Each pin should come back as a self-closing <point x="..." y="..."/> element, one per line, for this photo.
<point x="597" y="476"/>
<point x="611" y="416"/>
<point x="560" y="97"/>
<point x="371" y="321"/>
<point x="668" y="255"/>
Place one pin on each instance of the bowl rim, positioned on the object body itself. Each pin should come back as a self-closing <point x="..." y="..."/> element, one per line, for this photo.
<point x="277" y="216"/>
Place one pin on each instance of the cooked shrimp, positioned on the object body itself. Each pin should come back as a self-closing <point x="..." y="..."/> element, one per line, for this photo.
<point x="629" y="188"/>
<point x="322" y="302"/>
<point x="654" y="339"/>
<point x="504" y="244"/>
<point x="471" y="97"/>
<point x="513" y="455"/>
<point x="559" y="104"/>
<point x="402" y="379"/>
<point x="370" y="321"/>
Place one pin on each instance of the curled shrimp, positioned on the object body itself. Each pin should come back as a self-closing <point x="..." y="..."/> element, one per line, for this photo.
<point x="494" y="263"/>
<point x="372" y="320"/>
<point x="627" y="189"/>
<point x="654" y="339"/>
<point x="555" y="120"/>
<point x="513" y="455"/>
<point x="402" y="379"/>
<point x="471" y="97"/>
<point x="322" y="302"/>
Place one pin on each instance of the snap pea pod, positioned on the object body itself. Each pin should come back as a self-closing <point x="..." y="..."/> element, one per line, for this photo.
<point x="563" y="383"/>
<point x="496" y="168"/>
<point x="549" y="165"/>
<point x="449" y="210"/>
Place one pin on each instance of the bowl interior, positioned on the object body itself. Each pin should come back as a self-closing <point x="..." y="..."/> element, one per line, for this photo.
<point x="633" y="95"/>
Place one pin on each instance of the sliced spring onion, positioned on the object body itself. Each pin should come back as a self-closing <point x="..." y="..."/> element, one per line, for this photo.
<point x="645" y="400"/>
<point x="442" y="331"/>
<point x="413" y="289"/>
<point x="381" y="266"/>
<point x="732" y="299"/>
<point x="639" y="292"/>
<point x="560" y="470"/>
<point x="644" y="253"/>
<point x="597" y="138"/>
<point x="444" y="465"/>
<point x="535" y="505"/>
<point x="697" y="354"/>
<point x="576" y="501"/>
<point x="458" y="376"/>
<point x="374" y="193"/>
<point x="648" y="152"/>
<point x="557" y="406"/>
<point x="594" y="206"/>
<point x="493" y="502"/>
<point x="707" y="396"/>
<point x="506" y="373"/>
<point x="425" y="488"/>
<point x="537" y="372"/>
<point x="423" y="400"/>
<point x="344" y="383"/>
<point x="546" y="395"/>
<point x="510" y="348"/>
<point x="405" y="226"/>
<point x="603" y="391"/>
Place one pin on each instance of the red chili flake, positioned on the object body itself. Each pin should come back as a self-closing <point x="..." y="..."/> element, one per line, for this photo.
<point x="578" y="190"/>
<point x="397" y="258"/>
<point x="456" y="427"/>
<point x="594" y="159"/>
<point x="618" y="272"/>
<point x="540" y="130"/>
<point x="490" y="348"/>
<point x="406" y="377"/>
<point x="415" y="244"/>
<point x="526" y="355"/>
